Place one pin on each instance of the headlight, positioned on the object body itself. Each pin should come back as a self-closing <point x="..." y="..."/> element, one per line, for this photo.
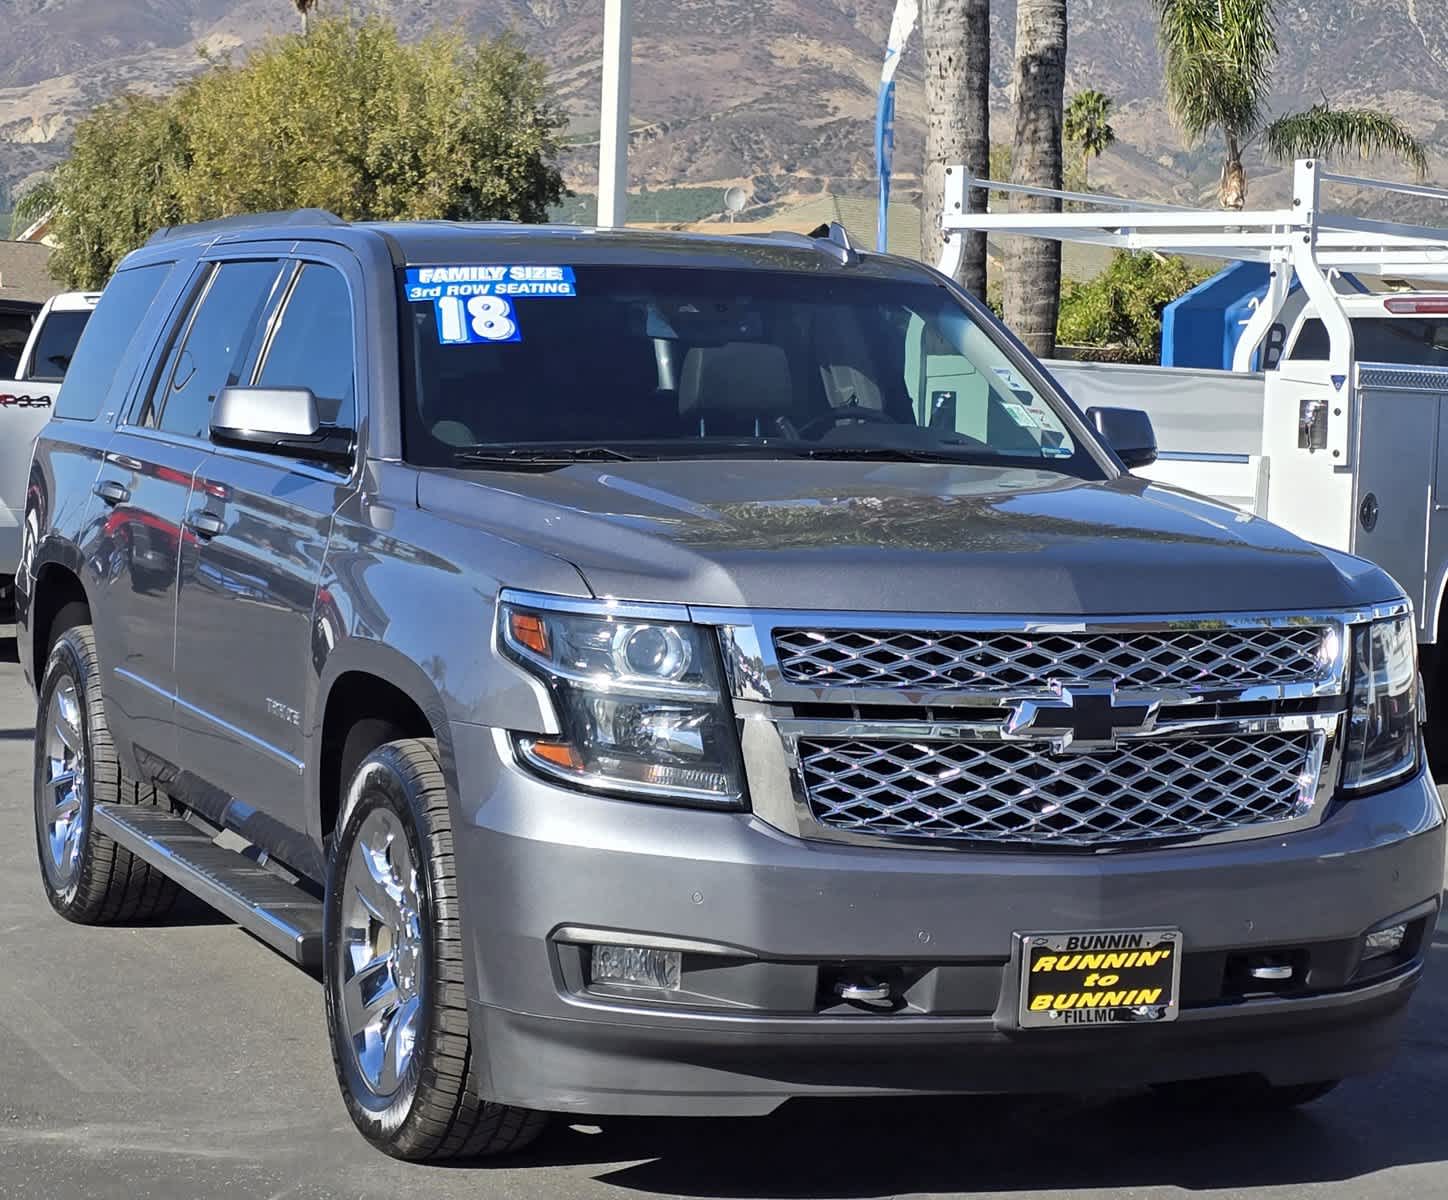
<point x="1382" y="739"/>
<point x="639" y="703"/>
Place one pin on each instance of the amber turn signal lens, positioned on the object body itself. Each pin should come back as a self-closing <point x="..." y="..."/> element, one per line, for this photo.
<point x="560" y="754"/>
<point x="528" y="630"/>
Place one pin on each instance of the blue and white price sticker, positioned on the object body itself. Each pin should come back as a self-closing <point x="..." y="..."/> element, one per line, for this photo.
<point x="474" y="303"/>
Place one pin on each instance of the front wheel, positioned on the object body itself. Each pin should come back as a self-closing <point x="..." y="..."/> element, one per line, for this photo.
<point x="393" y="970"/>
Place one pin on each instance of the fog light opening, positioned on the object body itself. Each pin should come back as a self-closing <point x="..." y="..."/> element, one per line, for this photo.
<point x="636" y="966"/>
<point x="1382" y="942"/>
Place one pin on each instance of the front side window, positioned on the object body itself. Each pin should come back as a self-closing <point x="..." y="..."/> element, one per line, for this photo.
<point x="212" y="353"/>
<point x="684" y="362"/>
<point x="312" y="346"/>
<point x="55" y="346"/>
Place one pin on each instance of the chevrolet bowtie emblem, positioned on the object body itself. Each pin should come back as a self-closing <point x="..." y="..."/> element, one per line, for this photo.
<point x="1079" y="719"/>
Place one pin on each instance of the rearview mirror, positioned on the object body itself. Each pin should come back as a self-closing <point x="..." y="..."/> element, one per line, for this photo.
<point x="1128" y="431"/>
<point x="277" y="421"/>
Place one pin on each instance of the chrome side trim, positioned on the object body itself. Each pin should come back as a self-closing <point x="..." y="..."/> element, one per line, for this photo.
<point x="296" y="764"/>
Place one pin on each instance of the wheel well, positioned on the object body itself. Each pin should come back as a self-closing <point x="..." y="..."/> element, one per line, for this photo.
<point x="60" y="602"/>
<point x="363" y="712"/>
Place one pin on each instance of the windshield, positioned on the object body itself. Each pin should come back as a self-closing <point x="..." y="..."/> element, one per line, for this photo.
<point x="1420" y="341"/>
<point x="507" y="363"/>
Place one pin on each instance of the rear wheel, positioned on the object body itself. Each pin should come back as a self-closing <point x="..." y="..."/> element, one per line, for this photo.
<point x="1242" y="1095"/>
<point x="88" y="878"/>
<point x="393" y="971"/>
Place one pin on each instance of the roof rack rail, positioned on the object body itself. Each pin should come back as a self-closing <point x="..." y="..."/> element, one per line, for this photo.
<point x="296" y="216"/>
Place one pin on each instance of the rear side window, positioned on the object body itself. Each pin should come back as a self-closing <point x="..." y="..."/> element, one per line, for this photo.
<point x="312" y="345"/>
<point x="108" y="333"/>
<point x="55" y="346"/>
<point x="213" y="353"/>
<point x="14" y="333"/>
<point x="1420" y="341"/>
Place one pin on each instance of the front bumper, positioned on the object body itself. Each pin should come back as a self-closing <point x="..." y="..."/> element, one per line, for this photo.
<point x="535" y="860"/>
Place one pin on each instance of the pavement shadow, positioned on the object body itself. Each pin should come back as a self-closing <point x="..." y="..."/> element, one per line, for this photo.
<point x="873" y="1148"/>
<point x="9" y="649"/>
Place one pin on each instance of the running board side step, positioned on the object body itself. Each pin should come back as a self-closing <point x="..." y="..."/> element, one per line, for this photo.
<point x="280" y="914"/>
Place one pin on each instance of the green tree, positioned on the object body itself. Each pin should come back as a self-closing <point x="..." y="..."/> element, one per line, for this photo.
<point x="1220" y="59"/>
<point x="1121" y="308"/>
<point x="350" y="119"/>
<point x="32" y="204"/>
<point x="1088" y="126"/>
<point x="117" y="187"/>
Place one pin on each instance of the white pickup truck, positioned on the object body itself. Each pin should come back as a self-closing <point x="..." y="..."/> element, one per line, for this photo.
<point x="26" y="401"/>
<point x="1343" y="438"/>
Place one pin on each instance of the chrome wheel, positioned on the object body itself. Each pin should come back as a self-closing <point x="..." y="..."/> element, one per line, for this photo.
<point x="63" y="811"/>
<point x="381" y="952"/>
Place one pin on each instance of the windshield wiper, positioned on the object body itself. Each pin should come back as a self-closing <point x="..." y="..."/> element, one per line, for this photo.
<point x="522" y="459"/>
<point x="889" y="454"/>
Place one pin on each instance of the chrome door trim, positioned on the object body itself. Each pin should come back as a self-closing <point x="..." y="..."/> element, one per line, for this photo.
<point x="295" y="764"/>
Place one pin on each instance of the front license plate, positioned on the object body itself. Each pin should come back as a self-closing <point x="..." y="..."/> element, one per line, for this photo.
<point x="1070" y="980"/>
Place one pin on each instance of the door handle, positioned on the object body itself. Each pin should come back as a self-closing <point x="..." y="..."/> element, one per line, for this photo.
<point x="205" y="524"/>
<point x="112" y="491"/>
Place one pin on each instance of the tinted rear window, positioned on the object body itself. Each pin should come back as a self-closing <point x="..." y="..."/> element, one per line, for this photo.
<point x="14" y="333"/>
<point x="108" y="333"/>
<point x="56" y="345"/>
<point x="1420" y="341"/>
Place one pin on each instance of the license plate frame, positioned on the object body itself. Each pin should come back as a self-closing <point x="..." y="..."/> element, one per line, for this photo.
<point x="1102" y="952"/>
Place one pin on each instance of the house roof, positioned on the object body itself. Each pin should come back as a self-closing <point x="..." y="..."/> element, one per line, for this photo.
<point x="24" y="273"/>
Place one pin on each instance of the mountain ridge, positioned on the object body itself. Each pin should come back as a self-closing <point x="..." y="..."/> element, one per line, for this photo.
<point x="778" y="95"/>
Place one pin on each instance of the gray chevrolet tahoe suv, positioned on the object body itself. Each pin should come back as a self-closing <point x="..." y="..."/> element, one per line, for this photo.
<point x="661" y="674"/>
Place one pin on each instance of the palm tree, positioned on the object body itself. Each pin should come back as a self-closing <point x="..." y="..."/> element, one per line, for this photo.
<point x="957" y="98"/>
<point x="304" y="7"/>
<point x="1088" y="125"/>
<point x="32" y="204"/>
<point x="1038" y="93"/>
<point x="1220" y="57"/>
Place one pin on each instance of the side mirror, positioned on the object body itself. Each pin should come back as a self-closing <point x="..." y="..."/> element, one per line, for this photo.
<point x="277" y="421"/>
<point x="1128" y="431"/>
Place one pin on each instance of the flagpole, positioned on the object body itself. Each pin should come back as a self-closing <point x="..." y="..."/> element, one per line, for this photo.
<point x="614" y="113"/>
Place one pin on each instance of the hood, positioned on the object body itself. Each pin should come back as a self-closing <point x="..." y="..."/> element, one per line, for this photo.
<point x="905" y="537"/>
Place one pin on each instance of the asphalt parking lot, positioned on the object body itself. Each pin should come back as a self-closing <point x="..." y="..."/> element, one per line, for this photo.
<point x="187" y="1061"/>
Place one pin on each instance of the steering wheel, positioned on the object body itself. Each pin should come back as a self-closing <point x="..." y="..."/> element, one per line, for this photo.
<point x="840" y="413"/>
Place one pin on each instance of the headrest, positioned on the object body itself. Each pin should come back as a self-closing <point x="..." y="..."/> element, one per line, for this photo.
<point x="750" y="377"/>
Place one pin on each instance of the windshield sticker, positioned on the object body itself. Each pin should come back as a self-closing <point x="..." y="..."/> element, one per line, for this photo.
<point x="478" y="319"/>
<point x="1022" y="416"/>
<point x="436" y="283"/>
<point x="1013" y="381"/>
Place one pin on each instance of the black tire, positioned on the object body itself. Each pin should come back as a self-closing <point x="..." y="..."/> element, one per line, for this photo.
<point x="431" y="1114"/>
<point x="1242" y="1095"/>
<point x="95" y="881"/>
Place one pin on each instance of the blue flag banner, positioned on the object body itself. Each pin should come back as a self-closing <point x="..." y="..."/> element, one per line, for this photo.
<point x="907" y="13"/>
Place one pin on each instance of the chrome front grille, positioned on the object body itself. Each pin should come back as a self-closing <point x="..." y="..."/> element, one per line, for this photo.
<point x="1164" y="659"/>
<point x="1021" y="792"/>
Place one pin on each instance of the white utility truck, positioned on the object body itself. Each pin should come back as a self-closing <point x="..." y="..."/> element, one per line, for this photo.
<point x="26" y="402"/>
<point x="1343" y="437"/>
